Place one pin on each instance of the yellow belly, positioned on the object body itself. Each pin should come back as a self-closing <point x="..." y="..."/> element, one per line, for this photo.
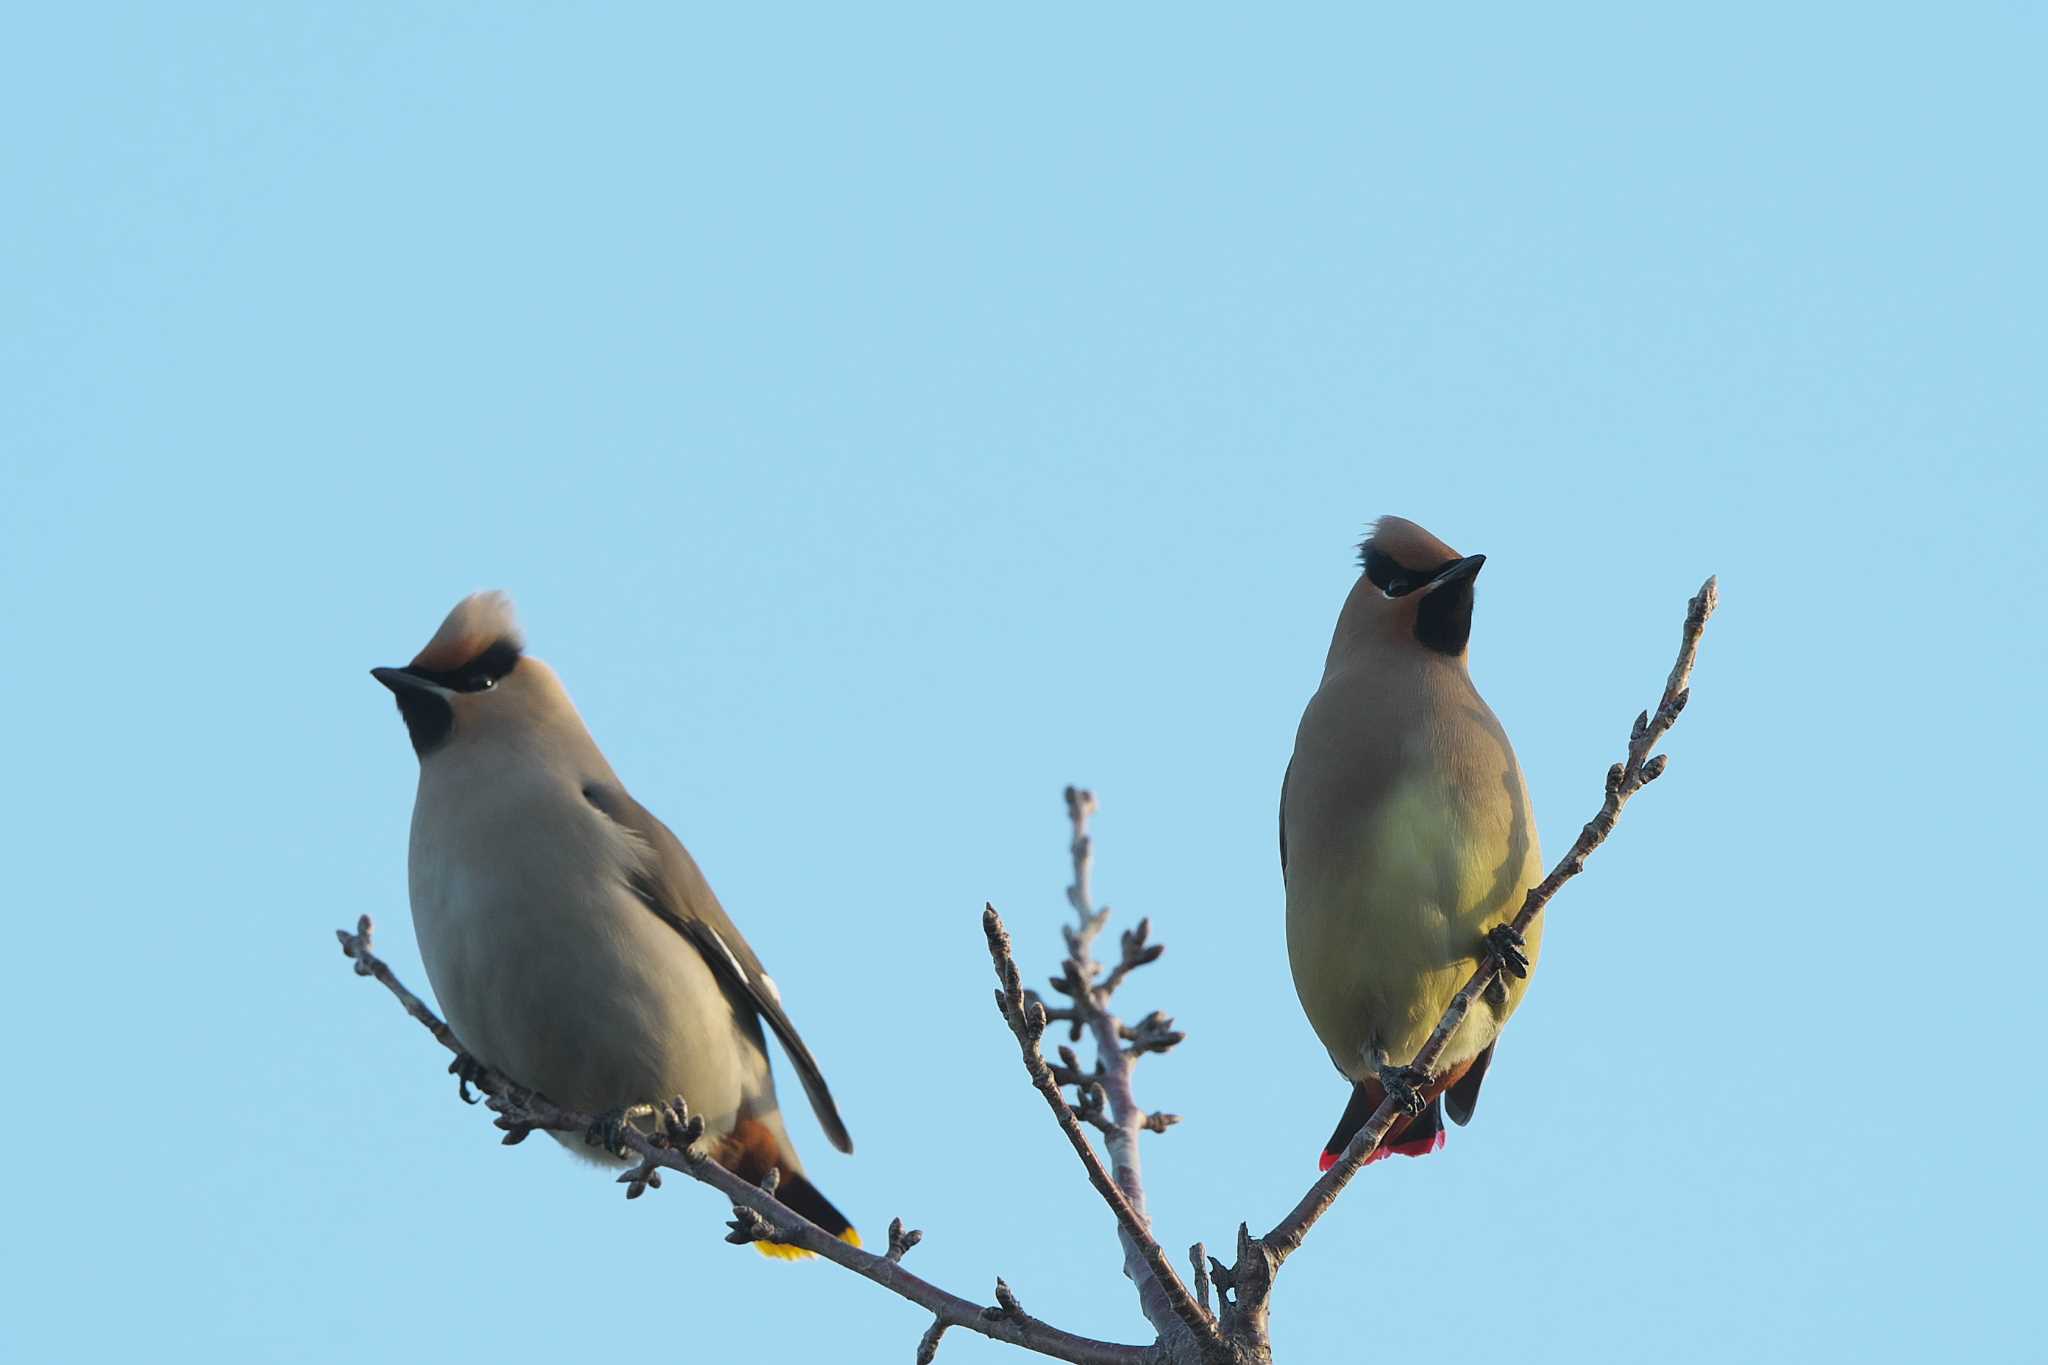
<point x="1387" y="918"/>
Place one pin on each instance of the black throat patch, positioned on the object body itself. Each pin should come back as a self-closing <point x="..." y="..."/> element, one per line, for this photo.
<point x="428" y="720"/>
<point x="429" y="717"/>
<point x="1444" y="620"/>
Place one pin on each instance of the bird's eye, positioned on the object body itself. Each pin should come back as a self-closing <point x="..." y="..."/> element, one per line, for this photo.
<point x="481" y="682"/>
<point x="1399" y="587"/>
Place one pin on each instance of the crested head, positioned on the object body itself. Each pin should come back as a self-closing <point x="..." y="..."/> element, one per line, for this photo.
<point x="1407" y="544"/>
<point x="1415" y="589"/>
<point x="478" y="622"/>
<point x="478" y="647"/>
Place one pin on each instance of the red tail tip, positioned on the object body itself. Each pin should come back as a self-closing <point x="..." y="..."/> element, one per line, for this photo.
<point x="1420" y="1147"/>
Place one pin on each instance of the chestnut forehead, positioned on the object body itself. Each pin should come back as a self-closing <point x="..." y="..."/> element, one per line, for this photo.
<point x="451" y="651"/>
<point x="478" y="622"/>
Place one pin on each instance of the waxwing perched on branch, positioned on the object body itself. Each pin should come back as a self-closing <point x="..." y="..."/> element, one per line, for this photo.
<point x="1406" y="843"/>
<point x="571" y="940"/>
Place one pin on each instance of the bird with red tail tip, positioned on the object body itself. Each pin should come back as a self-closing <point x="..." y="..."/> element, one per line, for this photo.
<point x="1406" y="844"/>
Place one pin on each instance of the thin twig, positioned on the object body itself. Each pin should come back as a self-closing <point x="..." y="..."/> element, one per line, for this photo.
<point x="901" y="1240"/>
<point x="1081" y="805"/>
<point x="1027" y="1022"/>
<point x="1624" y="780"/>
<point x="1111" y="1080"/>
<point x="1136" y="953"/>
<point x="523" y="1110"/>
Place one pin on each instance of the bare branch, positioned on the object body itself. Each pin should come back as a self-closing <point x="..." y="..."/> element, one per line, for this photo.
<point x="748" y="1225"/>
<point x="1154" y="1033"/>
<point x="901" y="1240"/>
<point x="1027" y="1022"/>
<point x="1624" y="779"/>
<point x="757" y="1213"/>
<point x="1081" y="805"/>
<point x="1136" y="953"/>
<point x="928" y="1344"/>
<point x="641" y="1179"/>
<point x="1089" y="1110"/>
<point x="1165" y="1302"/>
<point x="1006" y="1304"/>
<point x="1243" y="1294"/>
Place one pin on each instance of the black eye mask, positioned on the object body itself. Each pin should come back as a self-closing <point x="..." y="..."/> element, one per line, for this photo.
<point x="1391" y="577"/>
<point x="1444" y="621"/>
<point x="485" y="671"/>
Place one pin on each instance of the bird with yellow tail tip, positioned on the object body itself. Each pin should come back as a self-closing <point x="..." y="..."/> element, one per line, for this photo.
<point x="1406" y="844"/>
<point x="572" y="942"/>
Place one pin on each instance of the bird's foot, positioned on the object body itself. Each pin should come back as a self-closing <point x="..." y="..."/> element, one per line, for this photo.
<point x="467" y="1071"/>
<point x="1404" y="1086"/>
<point x="608" y="1131"/>
<point x="1510" y="947"/>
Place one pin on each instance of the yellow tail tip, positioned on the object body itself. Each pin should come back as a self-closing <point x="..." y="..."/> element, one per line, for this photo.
<point x="782" y="1251"/>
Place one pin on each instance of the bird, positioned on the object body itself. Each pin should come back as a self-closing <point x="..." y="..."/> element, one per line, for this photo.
<point x="571" y="939"/>
<point x="1407" y="843"/>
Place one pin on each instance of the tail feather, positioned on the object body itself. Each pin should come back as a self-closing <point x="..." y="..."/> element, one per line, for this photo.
<point x="800" y="1194"/>
<point x="754" y="1148"/>
<point x="1365" y="1097"/>
<point x="1462" y="1096"/>
<point x="1417" y="1136"/>
<point x="1420" y="1136"/>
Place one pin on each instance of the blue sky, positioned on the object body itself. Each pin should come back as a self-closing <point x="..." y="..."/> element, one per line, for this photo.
<point x="883" y="420"/>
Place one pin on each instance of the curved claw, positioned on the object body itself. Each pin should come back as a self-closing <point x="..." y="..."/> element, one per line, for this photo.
<point x="1510" y="947"/>
<point x="608" y="1132"/>
<point x="467" y="1071"/>
<point x="1403" y="1085"/>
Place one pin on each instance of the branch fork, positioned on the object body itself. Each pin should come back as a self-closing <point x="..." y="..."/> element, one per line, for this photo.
<point x="1194" y="1329"/>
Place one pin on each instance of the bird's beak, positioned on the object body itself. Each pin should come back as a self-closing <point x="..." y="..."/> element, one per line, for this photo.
<point x="1464" y="571"/>
<point x="401" y="681"/>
